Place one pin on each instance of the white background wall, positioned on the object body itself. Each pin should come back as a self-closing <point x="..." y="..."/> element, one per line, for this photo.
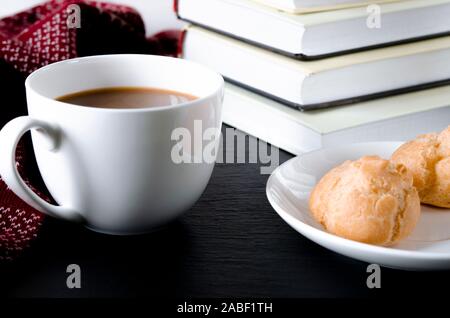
<point x="157" y="14"/>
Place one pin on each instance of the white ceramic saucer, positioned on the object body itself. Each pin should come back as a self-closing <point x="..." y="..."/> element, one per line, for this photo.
<point x="288" y="189"/>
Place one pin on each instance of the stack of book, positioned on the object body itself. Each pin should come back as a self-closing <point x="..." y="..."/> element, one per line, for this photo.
<point x="303" y="74"/>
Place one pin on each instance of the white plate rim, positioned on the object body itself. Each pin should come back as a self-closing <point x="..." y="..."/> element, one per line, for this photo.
<point x="337" y="240"/>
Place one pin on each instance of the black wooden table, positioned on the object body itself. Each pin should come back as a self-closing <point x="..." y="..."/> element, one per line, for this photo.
<point x="230" y="244"/>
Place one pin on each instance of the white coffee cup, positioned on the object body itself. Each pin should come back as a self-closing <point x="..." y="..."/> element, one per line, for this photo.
<point x="112" y="168"/>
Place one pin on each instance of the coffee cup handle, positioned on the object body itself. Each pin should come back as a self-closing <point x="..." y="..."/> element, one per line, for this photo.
<point x="9" y="138"/>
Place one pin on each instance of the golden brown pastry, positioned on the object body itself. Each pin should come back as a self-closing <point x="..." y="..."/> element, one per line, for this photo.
<point x="428" y="159"/>
<point x="370" y="200"/>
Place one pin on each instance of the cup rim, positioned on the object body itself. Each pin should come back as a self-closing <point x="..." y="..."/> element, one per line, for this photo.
<point x="198" y="100"/>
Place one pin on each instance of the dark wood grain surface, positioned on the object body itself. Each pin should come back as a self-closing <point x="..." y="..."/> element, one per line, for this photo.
<point x="230" y="244"/>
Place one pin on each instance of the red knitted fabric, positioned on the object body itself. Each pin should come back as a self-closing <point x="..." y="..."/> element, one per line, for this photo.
<point x="40" y="36"/>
